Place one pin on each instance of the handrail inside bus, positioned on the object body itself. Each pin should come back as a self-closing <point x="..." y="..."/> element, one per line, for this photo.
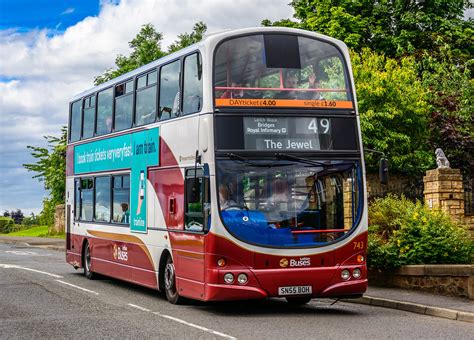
<point x="318" y="231"/>
<point x="278" y="89"/>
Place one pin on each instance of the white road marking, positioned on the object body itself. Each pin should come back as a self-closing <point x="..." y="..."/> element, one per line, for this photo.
<point x="9" y="266"/>
<point x="140" y="308"/>
<point x="183" y="322"/>
<point x="195" y="326"/>
<point x="21" y="252"/>
<point x="77" y="287"/>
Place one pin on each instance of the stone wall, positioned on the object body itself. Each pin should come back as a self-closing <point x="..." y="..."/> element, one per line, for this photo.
<point x="396" y="181"/>
<point x="450" y="280"/>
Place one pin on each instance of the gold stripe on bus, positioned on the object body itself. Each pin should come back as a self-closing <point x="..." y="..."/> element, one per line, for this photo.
<point x="313" y="103"/>
<point x="190" y="254"/>
<point x="123" y="238"/>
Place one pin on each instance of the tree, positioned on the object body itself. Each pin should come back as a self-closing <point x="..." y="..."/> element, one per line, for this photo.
<point x="394" y="27"/>
<point x="17" y="216"/>
<point x="50" y="168"/>
<point x="146" y="47"/>
<point x="6" y="213"/>
<point x="187" y="39"/>
<point x="450" y="92"/>
<point x="393" y="111"/>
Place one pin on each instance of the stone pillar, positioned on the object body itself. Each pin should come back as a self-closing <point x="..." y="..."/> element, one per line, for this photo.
<point x="443" y="190"/>
<point x="59" y="220"/>
<point x="347" y="192"/>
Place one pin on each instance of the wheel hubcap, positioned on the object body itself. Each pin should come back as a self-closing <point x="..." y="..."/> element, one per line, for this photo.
<point x="169" y="277"/>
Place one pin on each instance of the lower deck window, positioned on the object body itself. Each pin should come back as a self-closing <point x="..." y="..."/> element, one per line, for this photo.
<point x="103" y="199"/>
<point x="87" y="196"/>
<point x="121" y="199"/>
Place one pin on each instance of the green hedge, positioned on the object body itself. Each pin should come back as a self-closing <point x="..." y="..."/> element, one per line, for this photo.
<point x="7" y="225"/>
<point x="402" y="233"/>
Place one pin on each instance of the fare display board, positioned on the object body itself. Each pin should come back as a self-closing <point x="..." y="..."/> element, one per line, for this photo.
<point x="286" y="134"/>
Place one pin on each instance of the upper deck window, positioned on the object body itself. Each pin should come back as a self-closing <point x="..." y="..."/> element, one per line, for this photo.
<point x="104" y="111"/>
<point x="192" y="90"/>
<point x="169" y="90"/>
<point x="123" y="106"/>
<point x="89" y="117"/>
<point x="146" y="99"/>
<point x="76" y="121"/>
<point x="278" y="70"/>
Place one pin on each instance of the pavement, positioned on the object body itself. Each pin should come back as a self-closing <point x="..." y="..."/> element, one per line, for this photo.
<point x="448" y="307"/>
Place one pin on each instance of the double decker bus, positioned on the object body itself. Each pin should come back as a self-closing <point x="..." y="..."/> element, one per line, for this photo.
<point x="232" y="169"/>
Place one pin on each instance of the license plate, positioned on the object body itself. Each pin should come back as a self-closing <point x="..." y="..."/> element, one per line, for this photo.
<point x="295" y="290"/>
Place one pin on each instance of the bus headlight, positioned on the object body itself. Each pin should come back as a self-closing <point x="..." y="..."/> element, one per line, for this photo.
<point x="345" y="275"/>
<point x="356" y="273"/>
<point x="242" y="278"/>
<point x="229" y="278"/>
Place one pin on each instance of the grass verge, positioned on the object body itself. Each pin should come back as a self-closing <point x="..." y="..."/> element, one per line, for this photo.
<point x="40" y="231"/>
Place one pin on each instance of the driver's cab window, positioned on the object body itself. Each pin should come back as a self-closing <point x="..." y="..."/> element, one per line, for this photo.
<point x="197" y="200"/>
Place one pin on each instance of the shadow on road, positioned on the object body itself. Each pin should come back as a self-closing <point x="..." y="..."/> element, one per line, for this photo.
<point x="266" y="307"/>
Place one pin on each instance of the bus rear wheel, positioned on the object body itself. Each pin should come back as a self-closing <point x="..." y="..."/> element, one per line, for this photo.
<point x="298" y="301"/>
<point x="170" y="282"/>
<point x="86" y="262"/>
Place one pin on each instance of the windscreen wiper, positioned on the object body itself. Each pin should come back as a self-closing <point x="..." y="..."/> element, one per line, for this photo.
<point x="288" y="157"/>
<point x="234" y="156"/>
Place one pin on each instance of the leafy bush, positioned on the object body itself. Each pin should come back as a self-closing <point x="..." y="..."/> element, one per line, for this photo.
<point x="6" y="225"/>
<point x="402" y="232"/>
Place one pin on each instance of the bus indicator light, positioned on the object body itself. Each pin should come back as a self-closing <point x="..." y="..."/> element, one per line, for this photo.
<point x="221" y="262"/>
<point x="360" y="258"/>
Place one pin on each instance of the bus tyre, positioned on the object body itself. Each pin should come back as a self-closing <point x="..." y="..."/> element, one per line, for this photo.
<point x="298" y="301"/>
<point x="170" y="282"/>
<point x="86" y="262"/>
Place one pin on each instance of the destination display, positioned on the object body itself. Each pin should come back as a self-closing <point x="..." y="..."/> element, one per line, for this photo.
<point x="298" y="134"/>
<point x="285" y="133"/>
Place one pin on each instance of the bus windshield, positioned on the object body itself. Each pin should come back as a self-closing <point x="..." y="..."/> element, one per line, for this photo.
<point x="280" y="70"/>
<point x="286" y="203"/>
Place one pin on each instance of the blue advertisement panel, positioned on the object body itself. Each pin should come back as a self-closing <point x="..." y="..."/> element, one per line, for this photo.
<point x="136" y="151"/>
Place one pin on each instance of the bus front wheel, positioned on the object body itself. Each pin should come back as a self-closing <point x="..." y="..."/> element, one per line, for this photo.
<point x="170" y="282"/>
<point x="86" y="262"/>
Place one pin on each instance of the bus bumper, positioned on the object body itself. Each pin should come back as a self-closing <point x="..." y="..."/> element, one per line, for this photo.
<point x="223" y="292"/>
<point x="325" y="283"/>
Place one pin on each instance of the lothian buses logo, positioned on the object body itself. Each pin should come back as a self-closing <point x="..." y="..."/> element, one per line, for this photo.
<point x="120" y="253"/>
<point x="301" y="262"/>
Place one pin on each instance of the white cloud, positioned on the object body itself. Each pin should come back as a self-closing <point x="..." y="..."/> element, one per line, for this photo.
<point x="41" y="73"/>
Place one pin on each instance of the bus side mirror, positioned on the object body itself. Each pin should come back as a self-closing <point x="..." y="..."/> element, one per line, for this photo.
<point x="383" y="171"/>
<point x="193" y="189"/>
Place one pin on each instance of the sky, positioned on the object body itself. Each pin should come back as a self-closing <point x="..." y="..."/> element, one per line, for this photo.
<point x="51" y="50"/>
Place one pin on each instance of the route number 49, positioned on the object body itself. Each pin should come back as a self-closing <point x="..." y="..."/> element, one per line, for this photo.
<point x="314" y="126"/>
<point x="358" y="245"/>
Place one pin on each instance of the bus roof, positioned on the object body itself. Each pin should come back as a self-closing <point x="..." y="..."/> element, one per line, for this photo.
<point x="209" y="41"/>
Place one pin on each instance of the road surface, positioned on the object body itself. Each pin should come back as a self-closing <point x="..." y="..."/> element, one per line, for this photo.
<point x="43" y="297"/>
